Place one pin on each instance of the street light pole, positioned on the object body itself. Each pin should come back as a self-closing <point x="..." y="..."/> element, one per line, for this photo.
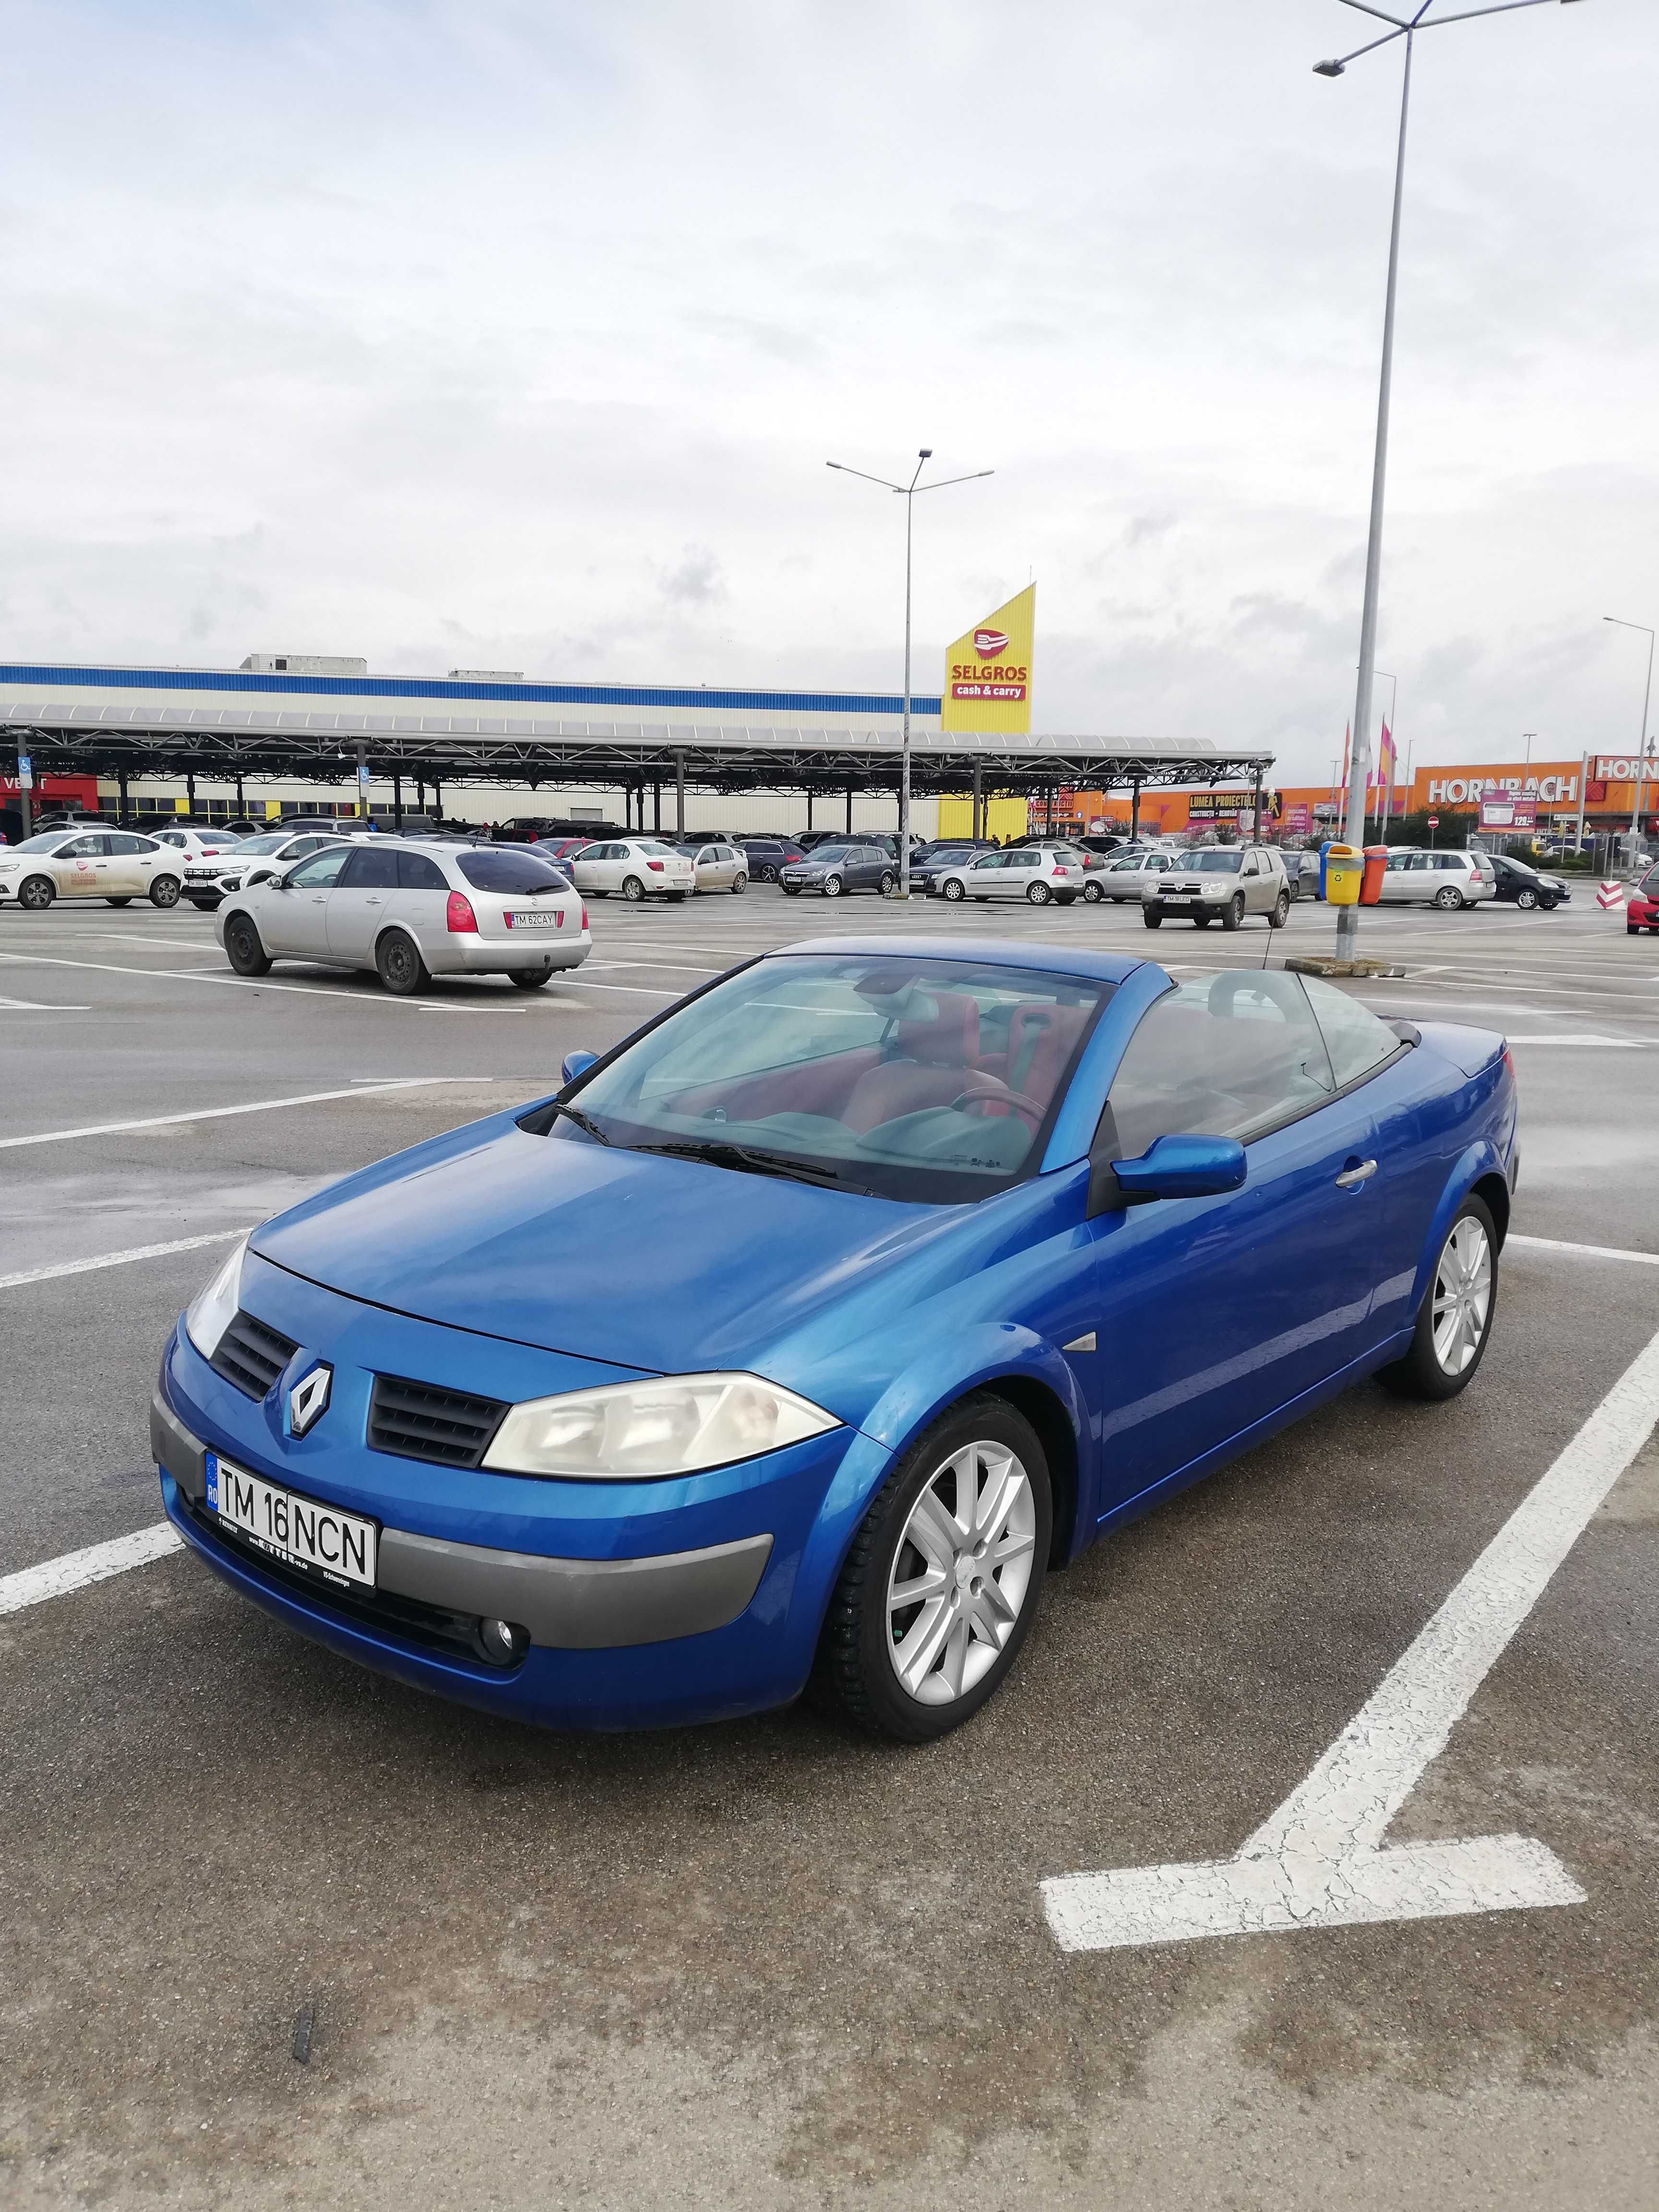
<point x="908" y="493"/>
<point x="1405" y="27"/>
<point x="1642" y="742"/>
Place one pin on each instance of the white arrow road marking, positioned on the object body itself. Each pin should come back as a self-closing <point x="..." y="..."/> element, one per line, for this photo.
<point x="1319" y="1862"/>
<point x="75" y="1569"/>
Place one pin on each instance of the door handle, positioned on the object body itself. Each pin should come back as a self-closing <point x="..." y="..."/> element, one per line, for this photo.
<point x="1351" y="1178"/>
<point x="374" y="902"/>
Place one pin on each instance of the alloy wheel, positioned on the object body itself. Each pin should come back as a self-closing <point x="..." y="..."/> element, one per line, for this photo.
<point x="1462" y="1296"/>
<point x="961" y="1573"/>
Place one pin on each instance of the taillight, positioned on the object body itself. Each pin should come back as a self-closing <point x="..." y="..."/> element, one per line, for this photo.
<point x="459" y="915"/>
<point x="584" y="918"/>
<point x="655" y="866"/>
<point x="1058" y="872"/>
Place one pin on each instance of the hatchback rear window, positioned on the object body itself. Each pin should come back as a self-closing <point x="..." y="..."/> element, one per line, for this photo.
<point x="502" y="870"/>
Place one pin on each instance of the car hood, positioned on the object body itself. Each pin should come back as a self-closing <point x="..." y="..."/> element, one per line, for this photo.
<point x="664" y="1264"/>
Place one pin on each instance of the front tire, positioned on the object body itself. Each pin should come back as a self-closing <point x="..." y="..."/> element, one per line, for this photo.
<point x="1092" y="894"/>
<point x="1151" y="917"/>
<point x="201" y="905"/>
<point x="399" y="966"/>
<point x="1232" y="915"/>
<point x="36" y="893"/>
<point x="1453" y="1322"/>
<point x="940" y="1587"/>
<point x="124" y="899"/>
<point x="164" y="891"/>
<point x="244" y="948"/>
<point x="833" y="887"/>
<point x="1526" y="901"/>
<point x="1282" y="911"/>
<point x="951" y="891"/>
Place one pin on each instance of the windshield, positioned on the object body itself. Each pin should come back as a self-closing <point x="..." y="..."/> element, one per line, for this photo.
<point x="43" y="843"/>
<point x="828" y="852"/>
<point x="1217" y="861"/>
<point x="930" y="1080"/>
<point x="272" y="842"/>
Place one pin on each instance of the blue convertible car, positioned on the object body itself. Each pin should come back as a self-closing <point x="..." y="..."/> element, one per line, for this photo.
<point x="794" y="1341"/>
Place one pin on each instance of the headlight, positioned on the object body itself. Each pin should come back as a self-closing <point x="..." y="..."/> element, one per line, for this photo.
<point x="632" y="1429"/>
<point x="211" y="1312"/>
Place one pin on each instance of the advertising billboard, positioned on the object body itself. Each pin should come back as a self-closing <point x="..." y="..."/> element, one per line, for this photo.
<point x="1505" y="812"/>
<point x="988" y="672"/>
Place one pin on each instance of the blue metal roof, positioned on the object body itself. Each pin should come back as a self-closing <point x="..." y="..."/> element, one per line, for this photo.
<point x="176" y="680"/>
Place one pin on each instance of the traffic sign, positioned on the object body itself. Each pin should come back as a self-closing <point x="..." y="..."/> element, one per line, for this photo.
<point x="25" y="773"/>
<point x="1434" y="821"/>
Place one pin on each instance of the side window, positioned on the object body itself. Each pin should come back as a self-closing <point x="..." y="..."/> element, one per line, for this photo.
<point x="370" y="869"/>
<point x="82" y="849"/>
<point x="1357" y="1039"/>
<point x="1229" y="1055"/>
<point x="1421" y="862"/>
<point x="417" y="872"/>
<point x="1396" y="862"/>
<point x="117" y="843"/>
<point x="321" y="869"/>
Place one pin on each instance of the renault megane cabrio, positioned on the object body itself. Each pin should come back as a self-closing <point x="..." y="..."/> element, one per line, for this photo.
<point x="961" y="1254"/>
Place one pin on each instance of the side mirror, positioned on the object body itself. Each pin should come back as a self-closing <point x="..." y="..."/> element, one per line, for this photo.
<point x="1174" y="1167"/>
<point x="577" y="1063"/>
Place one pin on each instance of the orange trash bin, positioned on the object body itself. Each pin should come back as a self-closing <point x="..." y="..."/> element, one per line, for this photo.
<point x="1371" y="884"/>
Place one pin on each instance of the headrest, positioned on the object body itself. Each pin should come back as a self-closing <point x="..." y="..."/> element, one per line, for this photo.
<point x="950" y="1038"/>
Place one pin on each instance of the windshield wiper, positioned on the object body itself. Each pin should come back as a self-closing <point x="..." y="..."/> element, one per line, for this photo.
<point x="582" y="1121"/>
<point x="725" y="1155"/>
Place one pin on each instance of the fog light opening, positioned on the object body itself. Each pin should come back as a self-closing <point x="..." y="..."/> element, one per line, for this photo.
<point x="505" y="1642"/>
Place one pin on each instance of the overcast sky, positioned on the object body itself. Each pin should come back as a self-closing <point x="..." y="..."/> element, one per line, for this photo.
<point x="518" y="335"/>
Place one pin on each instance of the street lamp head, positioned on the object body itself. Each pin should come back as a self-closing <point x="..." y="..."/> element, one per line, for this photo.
<point x="925" y="455"/>
<point x="1329" y="69"/>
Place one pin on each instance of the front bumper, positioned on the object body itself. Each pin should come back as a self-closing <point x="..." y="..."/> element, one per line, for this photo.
<point x="567" y="1605"/>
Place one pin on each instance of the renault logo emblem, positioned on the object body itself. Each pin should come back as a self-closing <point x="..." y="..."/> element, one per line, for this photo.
<point x="308" y="1397"/>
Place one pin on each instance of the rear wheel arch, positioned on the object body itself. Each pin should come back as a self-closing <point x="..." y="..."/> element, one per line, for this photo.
<point x="1495" y="1192"/>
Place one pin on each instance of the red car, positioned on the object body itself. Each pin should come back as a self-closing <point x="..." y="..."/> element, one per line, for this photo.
<point x="1642" y="907"/>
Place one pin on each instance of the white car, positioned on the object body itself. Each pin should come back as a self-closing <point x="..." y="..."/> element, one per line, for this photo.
<point x="194" y="844"/>
<point x="1037" y="873"/>
<point x="411" y="910"/>
<point x="638" y="867"/>
<point x="209" y="878"/>
<point x="1127" y="875"/>
<point x="719" y="867"/>
<point x="1446" y="878"/>
<point x="116" y="865"/>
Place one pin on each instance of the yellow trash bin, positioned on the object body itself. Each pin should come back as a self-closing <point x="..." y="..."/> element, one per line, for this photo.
<point x="1345" y="872"/>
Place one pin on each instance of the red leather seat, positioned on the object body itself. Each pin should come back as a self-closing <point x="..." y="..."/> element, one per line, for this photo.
<point x="934" y="1063"/>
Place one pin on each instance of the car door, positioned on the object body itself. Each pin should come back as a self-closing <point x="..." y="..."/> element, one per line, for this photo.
<point x="1218" y="1313"/>
<point x="82" y="867"/>
<point x="293" y="912"/>
<point x="980" y="881"/>
<point x="1395" y="885"/>
<point x="126" y="874"/>
<point x="421" y="903"/>
<point x="361" y="901"/>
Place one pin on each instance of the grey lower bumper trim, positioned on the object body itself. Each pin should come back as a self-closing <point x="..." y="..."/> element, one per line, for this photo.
<point x="173" y="1446"/>
<point x="579" y="1605"/>
<point x="569" y="1605"/>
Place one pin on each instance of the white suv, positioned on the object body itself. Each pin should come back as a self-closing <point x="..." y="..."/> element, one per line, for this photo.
<point x="1447" y="880"/>
<point x="1221" y="882"/>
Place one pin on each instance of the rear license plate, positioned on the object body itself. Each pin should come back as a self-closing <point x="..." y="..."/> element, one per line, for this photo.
<point x="336" y="1547"/>
<point x="517" y="921"/>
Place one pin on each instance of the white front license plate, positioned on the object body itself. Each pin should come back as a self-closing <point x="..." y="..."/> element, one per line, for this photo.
<point x="337" y="1547"/>
<point x="516" y="920"/>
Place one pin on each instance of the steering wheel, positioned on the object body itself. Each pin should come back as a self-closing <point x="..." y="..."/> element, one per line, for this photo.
<point x="1004" y="1096"/>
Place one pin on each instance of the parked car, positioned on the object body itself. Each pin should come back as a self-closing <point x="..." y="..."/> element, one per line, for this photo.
<point x="638" y="867"/>
<point x="1447" y="878"/>
<point x="561" y="851"/>
<point x="952" y="1333"/>
<point x="1127" y="875"/>
<point x="254" y="860"/>
<point x="409" y="911"/>
<point x="1525" y="886"/>
<point x="834" y="870"/>
<point x="927" y="865"/>
<point x="1222" y="883"/>
<point x="719" y="867"/>
<point x="1302" y="874"/>
<point x="1036" y="874"/>
<point x="767" y="857"/>
<point x="116" y="864"/>
<point x="196" y="844"/>
<point x="1642" y="907"/>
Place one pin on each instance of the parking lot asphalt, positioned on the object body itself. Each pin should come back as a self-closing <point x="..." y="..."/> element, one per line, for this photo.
<point x="768" y="1963"/>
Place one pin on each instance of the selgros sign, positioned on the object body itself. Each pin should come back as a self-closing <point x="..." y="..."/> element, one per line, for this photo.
<point x="988" y="672"/>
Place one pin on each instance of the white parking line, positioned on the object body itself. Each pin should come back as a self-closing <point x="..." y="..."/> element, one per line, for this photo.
<point x="223" y="1112"/>
<point x="39" y="1006"/>
<point x="75" y="1569"/>
<point x="117" y="1259"/>
<point x="1583" y="1251"/>
<point x="1600" y="1043"/>
<point x="1320" y="1860"/>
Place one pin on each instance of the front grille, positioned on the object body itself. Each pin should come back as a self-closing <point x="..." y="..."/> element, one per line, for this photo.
<point x="417" y="1420"/>
<point x="252" y="1355"/>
